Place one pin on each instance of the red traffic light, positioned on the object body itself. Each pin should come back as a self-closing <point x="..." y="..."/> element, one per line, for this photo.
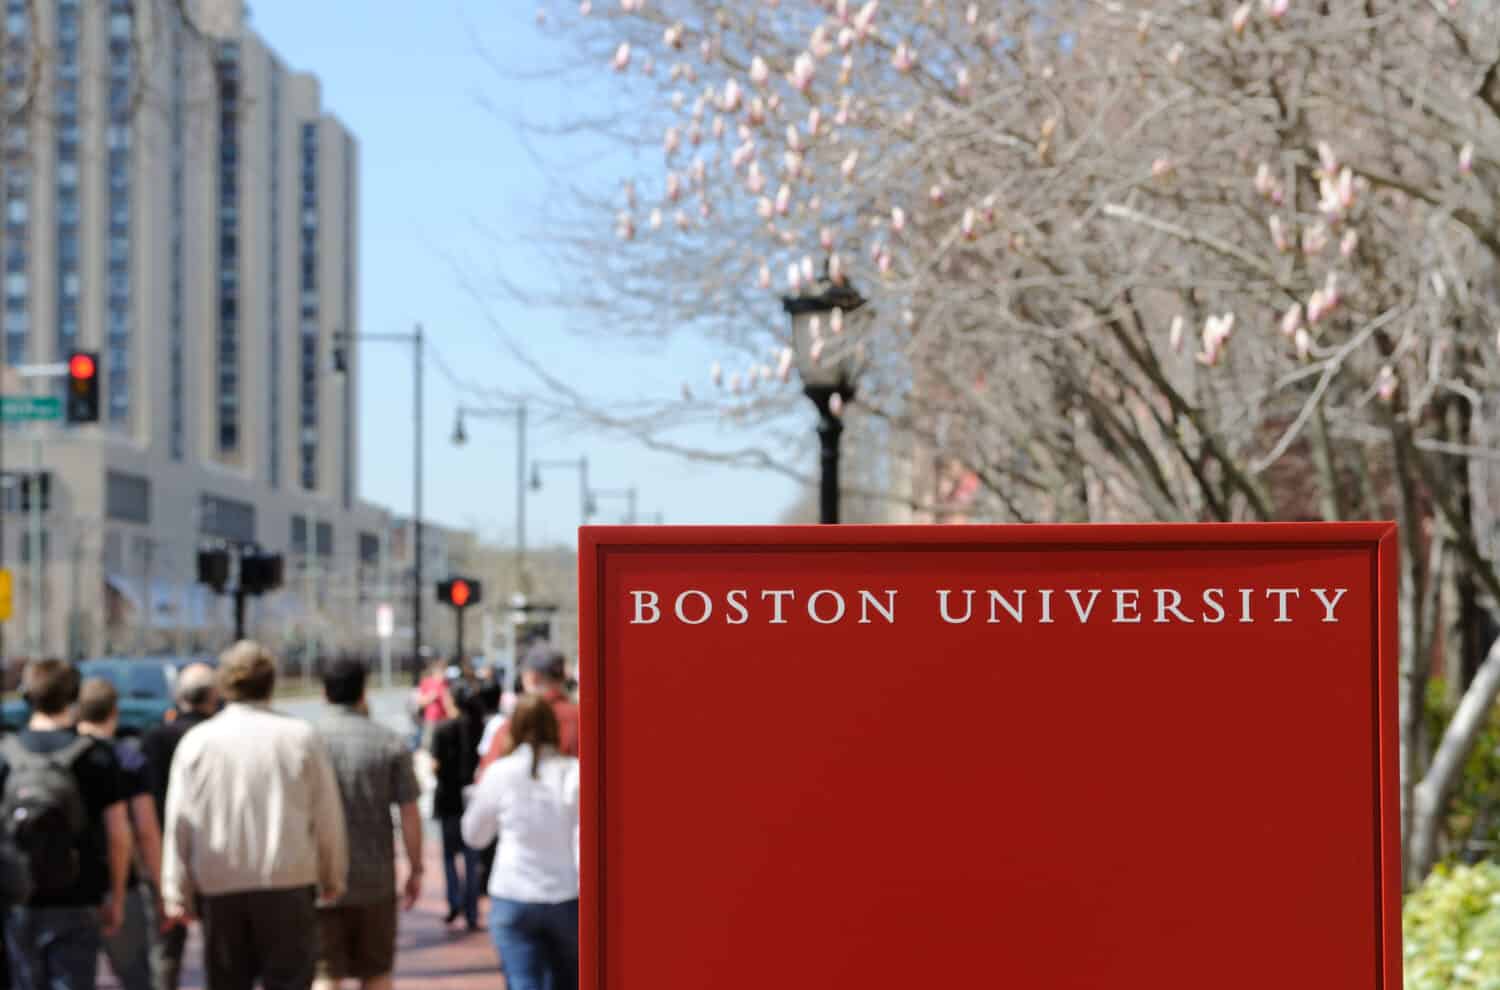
<point x="81" y="366"/>
<point x="459" y="593"/>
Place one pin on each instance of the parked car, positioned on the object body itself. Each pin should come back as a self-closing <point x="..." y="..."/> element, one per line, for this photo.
<point x="145" y="685"/>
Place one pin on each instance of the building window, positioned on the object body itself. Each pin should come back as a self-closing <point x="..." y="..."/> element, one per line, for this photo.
<point x="226" y="518"/>
<point x="228" y="401"/>
<point x="299" y="534"/>
<point x="369" y="548"/>
<point x="127" y="497"/>
<point x="310" y="302"/>
<point x="325" y="539"/>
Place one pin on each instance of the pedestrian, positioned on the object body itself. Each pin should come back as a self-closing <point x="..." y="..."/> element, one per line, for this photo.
<point x="544" y="673"/>
<point x="357" y="933"/>
<point x="489" y="698"/>
<point x="255" y="830"/>
<point x="529" y="801"/>
<point x="454" y="759"/>
<point x="434" y="700"/>
<point x="64" y="808"/>
<point x="197" y="700"/>
<point x="129" y="949"/>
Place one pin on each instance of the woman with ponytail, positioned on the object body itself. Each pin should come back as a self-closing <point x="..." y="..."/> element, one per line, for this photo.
<point x="529" y="799"/>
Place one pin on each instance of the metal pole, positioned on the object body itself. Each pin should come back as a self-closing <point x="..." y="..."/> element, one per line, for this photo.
<point x="239" y="613"/>
<point x="144" y="626"/>
<point x="830" y="429"/>
<point x="458" y="615"/>
<point x="385" y="601"/>
<point x="521" y="498"/>
<point x="34" y="599"/>
<point x="416" y="594"/>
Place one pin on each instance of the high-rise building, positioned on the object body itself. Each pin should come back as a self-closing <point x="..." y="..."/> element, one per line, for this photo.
<point x="178" y="199"/>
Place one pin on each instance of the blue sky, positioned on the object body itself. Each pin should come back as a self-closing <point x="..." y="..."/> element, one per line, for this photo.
<point x="441" y="173"/>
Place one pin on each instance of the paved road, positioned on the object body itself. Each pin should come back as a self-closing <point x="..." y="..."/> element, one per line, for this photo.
<point x="430" y="955"/>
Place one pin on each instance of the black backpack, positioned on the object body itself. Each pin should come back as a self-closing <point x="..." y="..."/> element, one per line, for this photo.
<point x="43" y="813"/>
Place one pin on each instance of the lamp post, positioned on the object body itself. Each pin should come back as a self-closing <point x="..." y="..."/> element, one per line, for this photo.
<point x="828" y="363"/>
<point x="586" y="494"/>
<point x="461" y="437"/>
<point x="341" y="367"/>
<point x="628" y="494"/>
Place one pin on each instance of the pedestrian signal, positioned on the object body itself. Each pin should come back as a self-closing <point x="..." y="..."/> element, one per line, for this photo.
<point x="83" y="387"/>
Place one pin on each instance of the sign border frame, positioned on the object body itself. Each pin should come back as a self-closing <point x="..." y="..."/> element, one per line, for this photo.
<point x="1379" y="539"/>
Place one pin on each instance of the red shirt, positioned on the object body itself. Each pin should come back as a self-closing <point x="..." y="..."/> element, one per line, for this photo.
<point x="567" y="724"/>
<point x="433" y="711"/>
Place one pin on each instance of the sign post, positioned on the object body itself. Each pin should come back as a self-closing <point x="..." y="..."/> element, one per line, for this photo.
<point x="1154" y="757"/>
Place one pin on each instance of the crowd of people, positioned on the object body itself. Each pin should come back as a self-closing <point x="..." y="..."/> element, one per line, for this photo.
<point x="278" y="836"/>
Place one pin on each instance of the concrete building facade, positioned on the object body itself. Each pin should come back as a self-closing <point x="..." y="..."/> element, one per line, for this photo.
<point x="176" y="198"/>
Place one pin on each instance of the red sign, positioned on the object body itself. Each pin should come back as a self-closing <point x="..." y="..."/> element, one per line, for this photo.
<point x="1045" y="757"/>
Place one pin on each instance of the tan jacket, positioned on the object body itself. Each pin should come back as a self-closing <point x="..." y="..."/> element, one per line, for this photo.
<point x="252" y="804"/>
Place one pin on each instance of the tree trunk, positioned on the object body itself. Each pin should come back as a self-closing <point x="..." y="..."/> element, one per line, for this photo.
<point x="1430" y="797"/>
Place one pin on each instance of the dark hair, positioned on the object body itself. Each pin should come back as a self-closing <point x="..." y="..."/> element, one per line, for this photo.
<point x="533" y="722"/>
<point x="50" y="686"/>
<point x="98" y="701"/>
<point x="489" y="697"/>
<point x="344" y="682"/>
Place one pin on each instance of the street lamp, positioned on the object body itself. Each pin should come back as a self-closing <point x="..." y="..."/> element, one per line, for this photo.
<point x="461" y="437"/>
<point x="340" y="363"/>
<point x="586" y="494"/>
<point x="828" y="362"/>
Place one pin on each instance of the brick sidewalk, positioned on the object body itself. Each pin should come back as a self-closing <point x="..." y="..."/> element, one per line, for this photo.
<point x="429" y="955"/>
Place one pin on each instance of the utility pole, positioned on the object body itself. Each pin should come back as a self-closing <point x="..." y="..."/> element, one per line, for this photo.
<point x="385" y="601"/>
<point x="417" y="587"/>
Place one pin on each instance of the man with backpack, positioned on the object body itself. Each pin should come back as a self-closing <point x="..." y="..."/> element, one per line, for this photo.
<point x="61" y="804"/>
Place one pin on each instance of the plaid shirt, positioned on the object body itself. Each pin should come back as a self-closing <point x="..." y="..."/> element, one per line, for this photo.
<point x="374" y="772"/>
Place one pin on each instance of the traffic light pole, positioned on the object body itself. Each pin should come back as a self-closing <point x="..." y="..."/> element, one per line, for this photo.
<point x="458" y="615"/>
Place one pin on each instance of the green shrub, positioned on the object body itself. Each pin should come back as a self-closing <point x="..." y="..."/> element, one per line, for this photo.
<point x="1451" y="928"/>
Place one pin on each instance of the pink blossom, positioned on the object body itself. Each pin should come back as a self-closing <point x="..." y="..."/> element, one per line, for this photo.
<point x="1216" y="332"/>
<point x="971" y="15"/>
<point x="695" y="135"/>
<point x="1161" y="168"/>
<point x="793" y="139"/>
<point x="1348" y="245"/>
<point x="1174" y="334"/>
<point x="815" y="352"/>
<point x="963" y="89"/>
<point x="1314" y="240"/>
<point x="764" y="278"/>
<point x="672" y="36"/>
<point x="967" y="224"/>
<point x="814" y="122"/>
<point x="734" y="383"/>
<point x="1278" y="234"/>
<point x="1240" y="18"/>
<point x="784" y="365"/>
<point x="742" y="155"/>
<point x="631" y="6"/>
<point x="706" y="49"/>
<point x="875" y="248"/>
<point x="851" y="162"/>
<point x="936" y="195"/>
<point x="794" y="278"/>
<point x="1175" y="53"/>
<point x="836" y="269"/>
<point x="802" y="72"/>
<point x="1328" y="162"/>
<point x="783" y="199"/>
<point x="836" y="319"/>
<point x="884" y="263"/>
<point x="759" y="71"/>
<point x="585" y="8"/>
<point x="825" y="238"/>
<point x="1303" y="343"/>
<point x="682" y="221"/>
<point x="625" y="227"/>
<point x="716" y="373"/>
<point x="622" y="57"/>
<point x="718" y="128"/>
<point x="1466" y="159"/>
<point x="1276" y="9"/>
<point x="1385" y="384"/>
<point x="1331" y="290"/>
<point x="1264" y="181"/>
<point x="757" y="112"/>
<point x="898" y="219"/>
<point x="656" y="219"/>
<point x="672" y="141"/>
<point x="705" y="209"/>
<point x="841" y="11"/>
<point x="808" y="271"/>
<point x="674" y="187"/>
<point x="865" y="19"/>
<point x="847" y="37"/>
<point x="1291" y="320"/>
<point x="648" y="66"/>
<point x="815" y="328"/>
<point x="732" y="96"/>
<point x="836" y="404"/>
<point x="754" y="180"/>
<point x="765" y="208"/>
<point x="818" y="44"/>
<point x="792" y="163"/>
<point x="903" y="60"/>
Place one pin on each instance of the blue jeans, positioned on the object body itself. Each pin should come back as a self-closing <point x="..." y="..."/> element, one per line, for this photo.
<point x="53" y="948"/>
<point x="537" y="943"/>
<point x="129" y="949"/>
<point x="463" y="897"/>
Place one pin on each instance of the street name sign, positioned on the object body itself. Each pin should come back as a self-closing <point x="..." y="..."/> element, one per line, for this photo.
<point x="30" y="407"/>
<point x="1060" y="758"/>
